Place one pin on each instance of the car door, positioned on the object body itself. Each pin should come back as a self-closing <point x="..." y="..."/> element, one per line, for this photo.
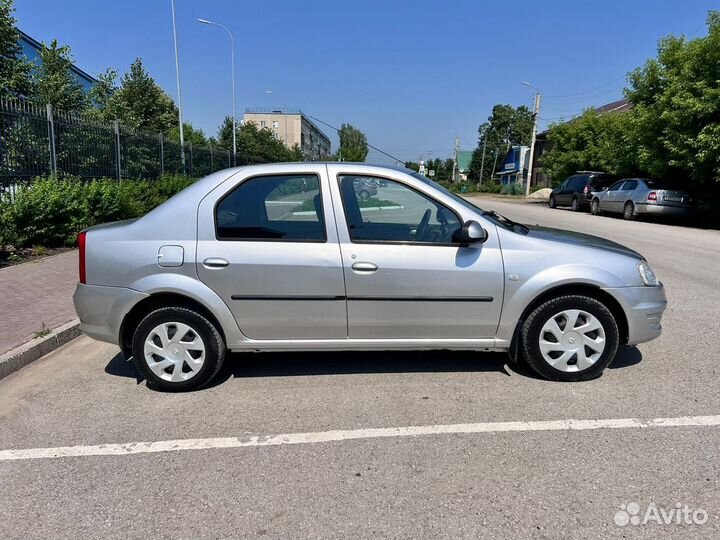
<point x="406" y="277"/>
<point x="267" y="245"/>
<point x="625" y="193"/>
<point x="609" y="202"/>
<point x="566" y="188"/>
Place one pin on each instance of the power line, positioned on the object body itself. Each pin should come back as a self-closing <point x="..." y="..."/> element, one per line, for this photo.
<point x="590" y="89"/>
<point x="370" y="145"/>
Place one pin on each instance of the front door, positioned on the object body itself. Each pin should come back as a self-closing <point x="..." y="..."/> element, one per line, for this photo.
<point x="268" y="247"/>
<point x="405" y="274"/>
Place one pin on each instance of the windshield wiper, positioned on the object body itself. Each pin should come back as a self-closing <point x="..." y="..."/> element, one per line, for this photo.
<point x="514" y="225"/>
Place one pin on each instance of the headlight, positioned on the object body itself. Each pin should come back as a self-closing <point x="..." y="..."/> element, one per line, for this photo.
<point x="646" y="274"/>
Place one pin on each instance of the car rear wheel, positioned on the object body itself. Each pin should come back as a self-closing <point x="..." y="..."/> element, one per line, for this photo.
<point x="570" y="338"/>
<point x="364" y="195"/>
<point x="177" y="349"/>
<point x="629" y="211"/>
<point x="552" y="202"/>
<point x="575" y="204"/>
<point x="595" y="207"/>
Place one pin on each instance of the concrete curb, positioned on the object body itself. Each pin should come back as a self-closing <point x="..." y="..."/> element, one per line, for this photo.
<point x="36" y="348"/>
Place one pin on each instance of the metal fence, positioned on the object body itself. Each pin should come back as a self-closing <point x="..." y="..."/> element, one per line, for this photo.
<point x="36" y="140"/>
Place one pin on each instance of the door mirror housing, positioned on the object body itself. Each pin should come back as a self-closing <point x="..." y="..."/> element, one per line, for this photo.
<point x="605" y="188"/>
<point x="471" y="233"/>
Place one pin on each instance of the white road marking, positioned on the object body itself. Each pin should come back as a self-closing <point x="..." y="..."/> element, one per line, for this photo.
<point x="126" y="449"/>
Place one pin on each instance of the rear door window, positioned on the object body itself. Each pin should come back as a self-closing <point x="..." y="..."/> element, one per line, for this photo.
<point x="630" y="185"/>
<point x="281" y="208"/>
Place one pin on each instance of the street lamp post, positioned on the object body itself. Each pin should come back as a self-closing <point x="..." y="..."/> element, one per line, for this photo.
<point x="232" y="71"/>
<point x="177" y="75"/>
<point x="536" y="117"/>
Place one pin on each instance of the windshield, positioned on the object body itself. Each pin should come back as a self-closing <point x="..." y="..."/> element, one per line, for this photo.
<point x="461" y="200"/>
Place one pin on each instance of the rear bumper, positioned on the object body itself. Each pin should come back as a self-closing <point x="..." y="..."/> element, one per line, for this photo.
<point x="643" y="307"/>
<point x="662" y="210"/>
<point x="101" y="310"/>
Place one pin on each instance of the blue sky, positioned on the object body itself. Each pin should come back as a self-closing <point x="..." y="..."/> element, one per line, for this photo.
<point x="411" y="74"/>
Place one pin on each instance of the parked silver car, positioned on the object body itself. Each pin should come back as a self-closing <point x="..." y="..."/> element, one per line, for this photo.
<point x="289" y="256"/>
<point x="634" y="197"/>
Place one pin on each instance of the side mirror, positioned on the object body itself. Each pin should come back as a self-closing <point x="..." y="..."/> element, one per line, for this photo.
<point x="471" y="233"/>
<point x="605" y="188"/>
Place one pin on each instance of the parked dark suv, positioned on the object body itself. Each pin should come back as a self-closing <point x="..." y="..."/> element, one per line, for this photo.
<point x="576" y="191"/>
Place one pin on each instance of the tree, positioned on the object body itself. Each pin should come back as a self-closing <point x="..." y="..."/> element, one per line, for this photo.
<point x="412" y="165"/>
<point x="225" y="133"/>
<point x="353" y="144"/>
<point x="677" y="108"/>
<point x="592" y="141"/>
<point x="190" y="135"/>
<point x="256" y="145"/>
<point x="506" y="126"/>
<point x="55" y="83"/>
<point x="14" y="68"/>
<point x="140" y="103"/>
<point x="103" y="90"/>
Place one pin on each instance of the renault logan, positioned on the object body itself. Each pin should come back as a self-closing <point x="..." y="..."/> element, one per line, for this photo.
<point x="293" y="256"/>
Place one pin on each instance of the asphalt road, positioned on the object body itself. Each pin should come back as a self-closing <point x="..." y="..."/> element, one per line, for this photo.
<point x="341" y="474"/>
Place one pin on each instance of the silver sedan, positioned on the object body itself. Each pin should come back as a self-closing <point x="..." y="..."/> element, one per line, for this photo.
<point x="291" y="256"/>
<point x="633" y="197"/>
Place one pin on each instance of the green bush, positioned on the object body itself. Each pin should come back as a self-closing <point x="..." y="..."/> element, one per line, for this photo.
<point x="514" y="188"/>
<point x="51" y="211"/>
<point x="489" y="187"/>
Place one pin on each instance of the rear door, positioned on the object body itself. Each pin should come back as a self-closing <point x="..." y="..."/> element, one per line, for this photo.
<point x="626" y="193"/>
<point x="610" y="202"/>
<point x="267" y="245"/>
<point x="405" y="274"/>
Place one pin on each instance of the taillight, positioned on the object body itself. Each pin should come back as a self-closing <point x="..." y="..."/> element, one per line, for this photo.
<point x="586" y="190"/>
<point x="81" y="244"/>
<point x="652" y="196"/>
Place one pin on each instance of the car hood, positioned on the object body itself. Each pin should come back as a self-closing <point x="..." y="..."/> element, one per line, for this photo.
<point x="580" y="239"/>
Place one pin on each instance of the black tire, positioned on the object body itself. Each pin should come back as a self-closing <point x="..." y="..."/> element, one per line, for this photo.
<point x="552" y="203"/>
<point x="629" y="211"/>
<point x="364" y="195"/>
<point x="212" y="340"/>
<point x="533" y="324"/>
<point x="595" y="207"/>
<point x="575" y="204"/>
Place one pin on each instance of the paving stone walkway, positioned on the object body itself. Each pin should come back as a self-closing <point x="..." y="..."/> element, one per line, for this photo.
<point x="34" y="293"/>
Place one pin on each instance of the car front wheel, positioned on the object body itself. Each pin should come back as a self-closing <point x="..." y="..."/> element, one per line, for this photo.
<point x="595" y="207"/>
<point x="575" y="204"/>
<point x="177" y="349"/>
<point x="552" y="202"/>
<point x="570" y="338"/>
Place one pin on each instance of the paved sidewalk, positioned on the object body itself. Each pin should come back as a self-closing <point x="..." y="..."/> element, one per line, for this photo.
<point x="34" y="293"/>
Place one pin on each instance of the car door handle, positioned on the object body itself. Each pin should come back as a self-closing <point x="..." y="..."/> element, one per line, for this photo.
<point x="215" y="262"/>
<point x="364" y="267"/>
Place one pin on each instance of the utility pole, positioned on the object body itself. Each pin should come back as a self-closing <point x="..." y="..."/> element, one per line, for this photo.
<point x="457" y="148"/>
<point x="177" y="76"/>
<point x="536" y="117"/>
<point x="482" y="161"/>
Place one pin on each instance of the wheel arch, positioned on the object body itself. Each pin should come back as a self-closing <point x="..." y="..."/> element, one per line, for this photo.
<point x="584" y="289"/>
<point x="159" y="300"/>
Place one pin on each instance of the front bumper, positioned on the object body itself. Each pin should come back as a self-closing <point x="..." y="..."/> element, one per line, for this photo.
<point x="643" y="307"/>
<point x="101" y="309"/>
